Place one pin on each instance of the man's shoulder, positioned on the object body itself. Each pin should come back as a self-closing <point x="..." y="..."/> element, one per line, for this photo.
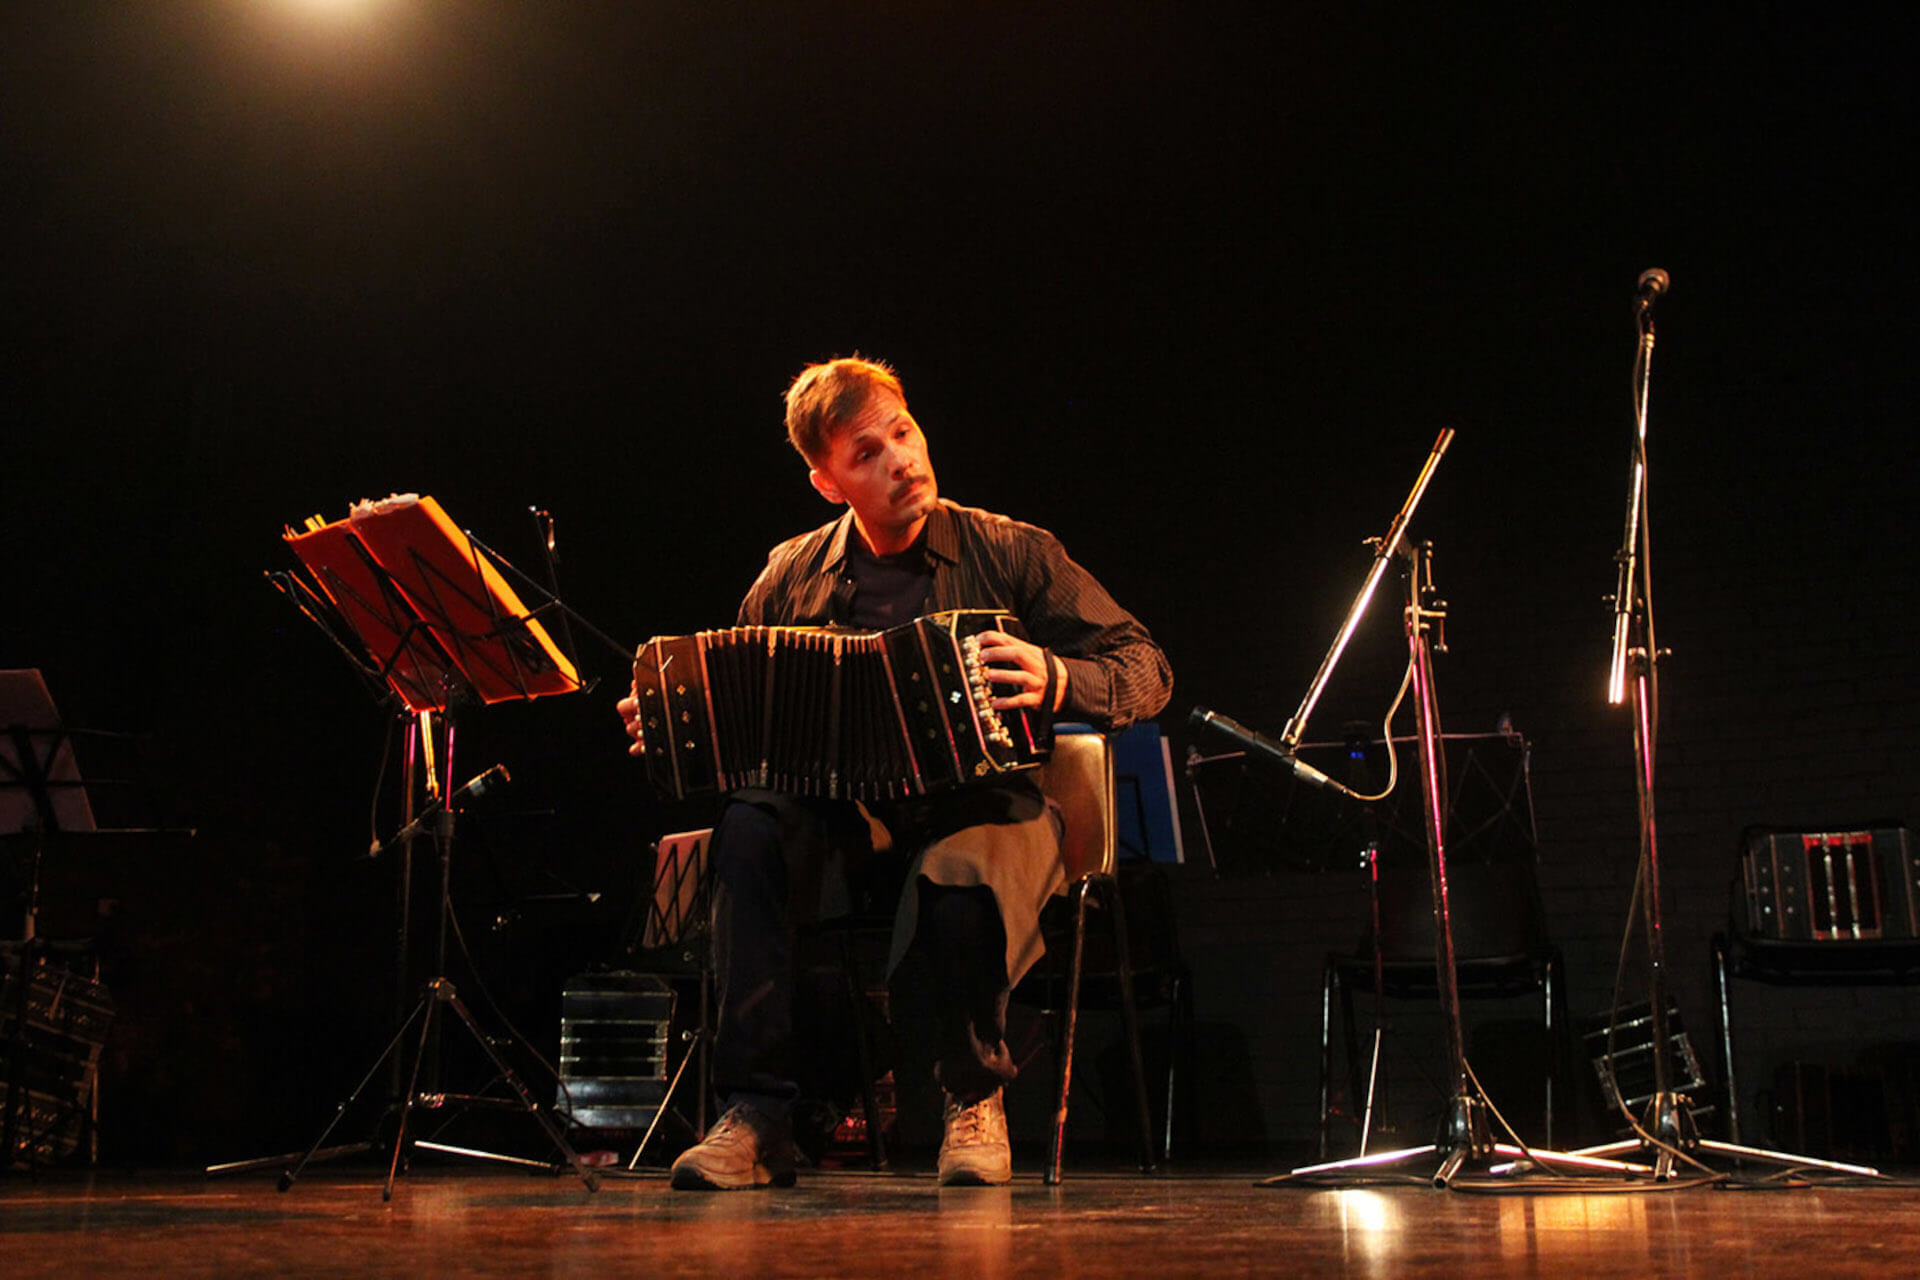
<point x="992" y="524"/>
<point x="803" y="545"/>
<point x="787" y="590"/>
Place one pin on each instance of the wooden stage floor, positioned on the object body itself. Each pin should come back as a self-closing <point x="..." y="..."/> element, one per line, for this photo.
<point x="474" y="1221"/>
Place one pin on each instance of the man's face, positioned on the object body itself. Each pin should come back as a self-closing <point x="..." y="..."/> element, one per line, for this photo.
<point x="877" y="464"/>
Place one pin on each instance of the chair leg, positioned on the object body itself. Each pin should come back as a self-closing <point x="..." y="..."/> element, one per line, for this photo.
<point x="1364" y="1083"/>
<point x="1721" y="994"/>
<point x="703" y="1045"/>
<point x="1130" y="1017"/>
<point x="1070" y="1017"/>
<point x="1327" y="979"/>
<point x="1178" y="1013"/>
<point x="869" y="1105"/>
<point x="1550" y="982"/>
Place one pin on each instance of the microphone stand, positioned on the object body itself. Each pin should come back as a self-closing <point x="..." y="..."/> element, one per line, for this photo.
<point x="1665" y="1131"/>
<point x="1384" y="553"/>
<point x="1465" y="1134"/>
<point x="1283" y="749"/>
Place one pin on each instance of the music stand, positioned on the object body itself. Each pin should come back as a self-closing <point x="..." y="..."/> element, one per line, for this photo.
<point x="40" y="784"/>
<point x="412" y="602"/>
<point x="41" y="795"/>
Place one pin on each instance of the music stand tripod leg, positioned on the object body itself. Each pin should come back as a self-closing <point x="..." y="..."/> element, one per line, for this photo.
<point x="289" y="1175"/>
<point x="430" y="1006"/>
<point x="444" y="993"/>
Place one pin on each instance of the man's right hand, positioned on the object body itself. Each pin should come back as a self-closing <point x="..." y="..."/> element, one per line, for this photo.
<point x="629" y="709"/>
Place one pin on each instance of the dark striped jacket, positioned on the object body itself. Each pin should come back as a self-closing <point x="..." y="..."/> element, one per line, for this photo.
<point x="1116" y="674"/>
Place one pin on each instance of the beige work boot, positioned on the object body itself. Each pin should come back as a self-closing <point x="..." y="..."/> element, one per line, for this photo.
<point x="975" y="1151"/>
<point x="744" y="1150"/>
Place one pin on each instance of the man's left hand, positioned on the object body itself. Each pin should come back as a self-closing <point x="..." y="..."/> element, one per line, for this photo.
<point x="1017" y="669"/>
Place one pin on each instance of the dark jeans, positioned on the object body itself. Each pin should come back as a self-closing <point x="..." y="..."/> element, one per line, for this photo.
<point x="766" y="857"/>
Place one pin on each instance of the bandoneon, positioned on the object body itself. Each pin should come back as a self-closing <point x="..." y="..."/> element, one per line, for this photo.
<point x="824" y="711"/>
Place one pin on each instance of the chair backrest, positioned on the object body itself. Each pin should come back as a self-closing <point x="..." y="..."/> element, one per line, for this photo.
<point x="1494" y="911"/>
<point x="678" y="906"/>
<point x="1079" y="778"/>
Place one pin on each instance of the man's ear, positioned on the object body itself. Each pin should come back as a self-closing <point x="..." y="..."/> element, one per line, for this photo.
<point x="824" y="484"/>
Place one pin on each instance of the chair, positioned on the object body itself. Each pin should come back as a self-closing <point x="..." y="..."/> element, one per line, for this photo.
<point x="1831" y="908"/>
<point x="675" y="920"/>
<point x="1500" y="951"/>
<point x="1500" y="942"/>
<point x="1079" y="779"/>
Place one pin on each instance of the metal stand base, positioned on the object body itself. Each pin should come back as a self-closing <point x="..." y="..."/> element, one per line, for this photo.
<point x="1465" y="1141"/>
<point x="439" y="992"/>
<point x="1668" y="1121"/>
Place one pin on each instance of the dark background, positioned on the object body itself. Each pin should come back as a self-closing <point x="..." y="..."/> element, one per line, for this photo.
<point x="1195" y="286"/>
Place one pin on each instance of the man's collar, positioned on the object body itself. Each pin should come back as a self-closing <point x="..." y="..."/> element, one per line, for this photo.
<point x="943" y="542"/>
<point x="842" y="536"/>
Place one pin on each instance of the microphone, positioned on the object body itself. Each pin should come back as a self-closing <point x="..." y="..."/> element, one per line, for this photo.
<point x="477" y="787"/>
<point x="1653" y="282"/>
<point x="473" y="789"/>
<point x="1259" y="744"/>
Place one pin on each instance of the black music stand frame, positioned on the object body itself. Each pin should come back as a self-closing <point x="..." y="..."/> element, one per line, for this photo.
<point x="38" y="759"/>
<point x="677" y="910"/>
<point x="439" y="994"/>
<point x="404" y="609"/>
<point x="39" y="774"/>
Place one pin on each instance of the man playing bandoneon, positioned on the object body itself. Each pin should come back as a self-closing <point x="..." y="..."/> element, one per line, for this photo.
<point x="985" y="858"/>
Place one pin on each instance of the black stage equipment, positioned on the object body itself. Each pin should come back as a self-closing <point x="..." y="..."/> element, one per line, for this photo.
<point x="1835" y="907"/>
<point x="1620" y="1045"/>
<point x="615" y="1031"/>
<point x="423" y="612"/>
<point x="55" y="1012"/>
<point x="54" y="1019"/>
<point x="1664" y="1132"/>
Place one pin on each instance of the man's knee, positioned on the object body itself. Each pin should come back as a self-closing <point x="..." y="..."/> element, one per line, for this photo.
<point x="746" y="845"/>
<point x="959" y="917"/>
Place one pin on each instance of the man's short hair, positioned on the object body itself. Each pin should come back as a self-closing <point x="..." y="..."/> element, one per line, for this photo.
<point x="827" y="396"/>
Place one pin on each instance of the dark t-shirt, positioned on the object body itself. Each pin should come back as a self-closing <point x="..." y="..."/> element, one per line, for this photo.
<point x="889" y="590"/>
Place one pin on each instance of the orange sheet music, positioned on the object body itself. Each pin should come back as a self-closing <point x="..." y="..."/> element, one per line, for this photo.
<point x="439" y="612"/>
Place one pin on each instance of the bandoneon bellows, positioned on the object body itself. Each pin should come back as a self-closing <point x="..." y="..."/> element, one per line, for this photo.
<point x="824" y="711"/>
